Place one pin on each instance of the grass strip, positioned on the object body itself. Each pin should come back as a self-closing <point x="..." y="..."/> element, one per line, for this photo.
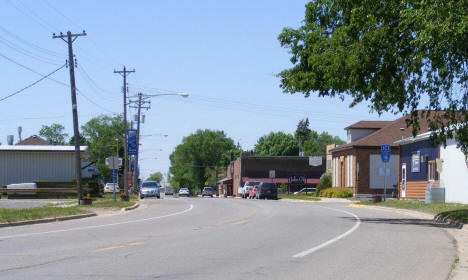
<point x="48" y="211"/>
<point x="298" y="196"/>
<point x="455" y="211"/>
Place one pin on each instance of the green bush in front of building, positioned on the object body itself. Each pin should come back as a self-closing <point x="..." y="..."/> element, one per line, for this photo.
<point x="336" y="193"/>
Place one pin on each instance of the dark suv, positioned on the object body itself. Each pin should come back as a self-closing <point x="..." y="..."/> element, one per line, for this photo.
<point x="267" y="190"/>
<point x="208" y="191"/>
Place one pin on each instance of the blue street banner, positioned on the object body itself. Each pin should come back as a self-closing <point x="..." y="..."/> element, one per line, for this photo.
<point x="113" y="175"/>
<point x="132" y="149"/>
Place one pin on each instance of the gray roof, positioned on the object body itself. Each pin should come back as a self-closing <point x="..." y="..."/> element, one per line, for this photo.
<point x="41" y="148"/>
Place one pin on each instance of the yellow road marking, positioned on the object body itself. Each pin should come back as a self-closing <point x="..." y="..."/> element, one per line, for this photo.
<point x="357" y="205"/>
<point x="240" y="222"/>
<point x="309" y="201"/>
<point x="118" y="247"/>
<point x="134" y="243"/>
<point x="267" y="211"/>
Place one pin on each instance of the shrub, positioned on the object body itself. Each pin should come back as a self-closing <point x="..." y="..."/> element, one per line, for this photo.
<point x="324" y="183"/>
<point x="336" y="193"/>
<point x="283" y="188"/>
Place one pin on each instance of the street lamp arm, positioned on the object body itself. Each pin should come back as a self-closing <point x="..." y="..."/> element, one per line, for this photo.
<point x="182" y="94"/>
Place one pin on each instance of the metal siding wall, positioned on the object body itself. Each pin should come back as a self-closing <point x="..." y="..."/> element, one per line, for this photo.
<point x="426" y="148"/>
<point x="24" y="167"/>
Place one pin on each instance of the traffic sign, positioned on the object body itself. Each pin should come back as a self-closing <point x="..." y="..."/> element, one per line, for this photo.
<point x="114" y="175"/>
<point x="385" y="157"/>
<point x="113" y="162"/>
<point x="385" y="148"/>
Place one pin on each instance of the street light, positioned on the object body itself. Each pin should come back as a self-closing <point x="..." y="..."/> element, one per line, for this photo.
<point x="142" y="100"/>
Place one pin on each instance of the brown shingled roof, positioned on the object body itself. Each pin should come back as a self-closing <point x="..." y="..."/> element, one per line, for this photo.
<point x="34" y="140"/>
<point x="387" y="135"/>
<point x="369" y="124"/>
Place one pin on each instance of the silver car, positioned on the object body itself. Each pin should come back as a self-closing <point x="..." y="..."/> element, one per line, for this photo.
<point x="150" y="188"/>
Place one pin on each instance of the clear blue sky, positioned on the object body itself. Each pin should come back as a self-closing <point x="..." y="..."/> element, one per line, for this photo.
<point x="225" y="54"/>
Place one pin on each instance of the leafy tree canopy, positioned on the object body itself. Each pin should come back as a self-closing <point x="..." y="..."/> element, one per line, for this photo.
<point x="302" y="132"/>
<point x="277" y="144"/>
<point x="316" y="144"/>
<point x="156" y="176"/>
<point x="398" y="55"/>
<point x="199" y="157"/>
<point x="54" y="134"/>
<point x="104" y="135"/>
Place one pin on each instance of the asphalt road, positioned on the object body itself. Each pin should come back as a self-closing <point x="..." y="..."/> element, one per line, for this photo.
<point x="209" y="238"/>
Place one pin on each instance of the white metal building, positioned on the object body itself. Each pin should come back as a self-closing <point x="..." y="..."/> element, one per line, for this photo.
<point x="27" y="163"/>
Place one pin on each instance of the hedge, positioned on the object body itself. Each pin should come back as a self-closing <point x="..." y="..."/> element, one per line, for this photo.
<point x="336" y="193"/>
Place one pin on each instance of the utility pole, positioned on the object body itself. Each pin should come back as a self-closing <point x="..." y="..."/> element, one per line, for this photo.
<point x="124" y="74"/>
<point x="76" y="133"/>
<point x="140" y="102"/>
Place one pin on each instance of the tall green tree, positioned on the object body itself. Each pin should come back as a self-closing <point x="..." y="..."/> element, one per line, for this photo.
<point x="316" y="144"/>
<point x="156" y="176"/>
<point x="104" y="135"/>
<point x="54" y="134"/>
<point x="277" y="144"/>
<point x="200" y="155"/>
<point x="399" y="55"/>
<point x="302" y="132"/>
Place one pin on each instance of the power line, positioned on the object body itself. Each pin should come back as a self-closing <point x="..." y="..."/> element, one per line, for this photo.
<point x="30" y="85"/>
<point x="25" y="52"/>
<point x="31" y="45"/>
<point x="43" y="25"/>
<point x="32" y="70"/>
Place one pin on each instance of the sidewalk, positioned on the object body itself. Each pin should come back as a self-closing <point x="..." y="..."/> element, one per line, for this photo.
<point x="460" y="272"/>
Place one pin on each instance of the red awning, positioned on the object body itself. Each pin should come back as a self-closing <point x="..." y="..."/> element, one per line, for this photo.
<point x="278" y="180"/>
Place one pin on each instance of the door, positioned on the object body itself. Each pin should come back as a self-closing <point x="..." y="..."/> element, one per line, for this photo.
<point x="403" y="180"/>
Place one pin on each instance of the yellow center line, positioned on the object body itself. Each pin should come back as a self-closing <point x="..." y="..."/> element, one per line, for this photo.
<point x="267" y="211"/>
<point x="240" y="222"/>
<point x="118" y="247"/>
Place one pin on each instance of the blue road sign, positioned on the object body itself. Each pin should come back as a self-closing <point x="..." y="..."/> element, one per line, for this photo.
<point x="385" y="157"/>
<point x="132" y="148"/>
<point x="385" y="148"/>
<point x="113" y="175"/>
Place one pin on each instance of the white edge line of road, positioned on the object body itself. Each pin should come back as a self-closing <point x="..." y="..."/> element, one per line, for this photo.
<point x="97" y="226"/>
<point x="333" y="240"/>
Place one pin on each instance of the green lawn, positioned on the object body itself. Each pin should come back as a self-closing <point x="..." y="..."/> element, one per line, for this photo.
<point x="451" y="210"/>
<point x="48" y="211"/>
<point x="298" y="196"/>
<point x="53" y="211"/>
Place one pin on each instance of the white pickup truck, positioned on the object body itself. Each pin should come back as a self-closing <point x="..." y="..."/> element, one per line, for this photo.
<point x="247" y="187"/>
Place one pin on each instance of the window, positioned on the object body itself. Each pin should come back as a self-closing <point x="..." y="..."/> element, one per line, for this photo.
<point x="349" y="171"/>
<point x="431" y="170"/>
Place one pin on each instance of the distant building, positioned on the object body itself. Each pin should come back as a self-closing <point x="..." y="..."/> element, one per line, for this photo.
<point x="295" y="171"/>
<point x="33" y="140"/>
<point x="28" y="163"/>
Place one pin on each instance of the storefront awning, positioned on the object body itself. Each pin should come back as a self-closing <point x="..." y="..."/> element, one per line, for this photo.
<point x="224" y="181"/>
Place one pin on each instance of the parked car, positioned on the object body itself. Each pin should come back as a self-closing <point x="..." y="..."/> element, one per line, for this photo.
<point x="306" y="190"/>
<point x="267" y="190"/>
<point x="168" y="190"/>
<point x="109" y="188"/>
<point x="208" y="191"/>
<point x="253" y="192"/>
<point x="184" y="192"/>
<point x="150" y="188"/>
<point x="247" y="187"/>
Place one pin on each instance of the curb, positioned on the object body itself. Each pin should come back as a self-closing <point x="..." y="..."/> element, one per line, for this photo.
<point x="134" y="206"/>
<point x="47" y="220"/>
